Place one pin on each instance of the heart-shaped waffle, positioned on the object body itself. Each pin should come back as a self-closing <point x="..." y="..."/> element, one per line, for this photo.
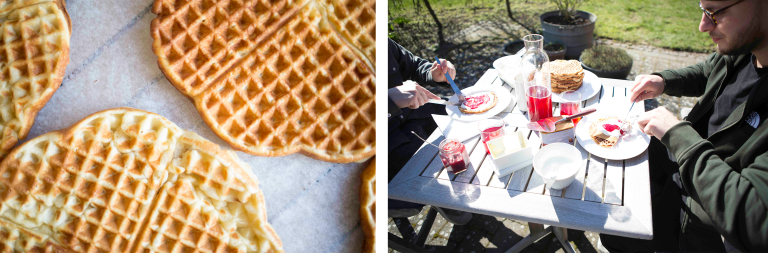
<point x="125" y="180"/>
<point x="273" y="78"/>
<point x="34" y="53"/>
<point x="368" y="205"/>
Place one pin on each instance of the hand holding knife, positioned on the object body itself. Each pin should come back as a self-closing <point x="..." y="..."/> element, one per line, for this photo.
<point x="450" y="80"/>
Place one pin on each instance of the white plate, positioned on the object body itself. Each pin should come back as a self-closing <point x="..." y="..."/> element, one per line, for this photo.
<point x="507" y="68"/>
<point x="502" y="95"/>
<point x="624" y="149"/>
<point x="589" y="88"/>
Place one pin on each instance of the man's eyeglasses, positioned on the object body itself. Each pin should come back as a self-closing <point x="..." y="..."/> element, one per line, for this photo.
<point x="711" y="15"/>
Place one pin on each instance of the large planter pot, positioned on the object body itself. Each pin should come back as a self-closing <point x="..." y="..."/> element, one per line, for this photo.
<point x="575" y="37"/>
<point x="619" y="74"/>
<point x="556" y="55"/>
<point x="513" y="47"/>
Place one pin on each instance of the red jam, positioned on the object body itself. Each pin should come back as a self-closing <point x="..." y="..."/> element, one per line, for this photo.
<point x="612" y="127"/>
<point x="454" y="157"/>
<point x="476" y="101"/>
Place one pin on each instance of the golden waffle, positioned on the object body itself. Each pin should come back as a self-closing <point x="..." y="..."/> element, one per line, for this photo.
<point x="493" y="102"/>
<point x="273" y="78"/>
<point x="594" y="130"/>
<point x="368" y="205"/>
<point x="33" y="57"/>
<point x="566" y="75"/>
<point x="125" y="180"/>
<point x="355" y="20"/>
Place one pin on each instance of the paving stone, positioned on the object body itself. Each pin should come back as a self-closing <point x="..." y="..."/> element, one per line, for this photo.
<point x="505" y="237"/>
<point x="440" y="245"/>
<point x="484" y="222"/>
<point x="472" y="242"/>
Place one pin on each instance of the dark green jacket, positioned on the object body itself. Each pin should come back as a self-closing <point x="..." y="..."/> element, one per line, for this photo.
<point x="726" y="174"/>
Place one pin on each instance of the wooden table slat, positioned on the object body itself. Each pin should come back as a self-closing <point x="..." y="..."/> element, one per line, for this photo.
<point x="488" y="78"/>
<point x="475" y="162"/>
<point x="520" y="178"/>
<point x="637" y="188"/>
<point x="614" y="174"/>
<point x="595" y="179"/>
<point x="576" y="189"/>
<point x="423" y="157"/>
<point x="486" y="175"/>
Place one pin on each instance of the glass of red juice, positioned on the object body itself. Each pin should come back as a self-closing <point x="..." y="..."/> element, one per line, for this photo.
<point x="570" y="103"/>
<point x="539" y="102"/>
<point x="454" y="155"/>
<point x="490" y="128"/>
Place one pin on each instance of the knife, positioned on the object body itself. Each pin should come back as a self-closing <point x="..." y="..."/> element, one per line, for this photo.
<point x="453" y="85"/>
<point x="442" y="102"/>
<point x="549" y="124"/>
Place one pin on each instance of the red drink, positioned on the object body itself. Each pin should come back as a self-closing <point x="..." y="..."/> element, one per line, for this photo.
<point x="539" y="103"/>
<point x="570" y="108"/>
<point x="454" y="156"/>
<point x="490" y="134"/>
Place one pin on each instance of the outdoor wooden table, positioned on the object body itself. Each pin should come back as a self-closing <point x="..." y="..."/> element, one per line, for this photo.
<point x="607" y="196"/>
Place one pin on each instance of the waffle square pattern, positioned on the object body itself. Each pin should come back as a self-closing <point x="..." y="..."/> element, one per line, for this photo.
<point x="273" y="78"/>
<point x="34" y="53"/>
<point x="125" y="180"/>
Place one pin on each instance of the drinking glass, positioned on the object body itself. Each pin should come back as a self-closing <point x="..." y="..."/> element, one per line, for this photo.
<point x="490" y="128"/>
<point x="454" y="155"/>
<point x="570" y="104"/>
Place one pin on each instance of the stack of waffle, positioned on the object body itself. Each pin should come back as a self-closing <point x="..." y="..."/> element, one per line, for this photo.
<point x="566" y="75"/>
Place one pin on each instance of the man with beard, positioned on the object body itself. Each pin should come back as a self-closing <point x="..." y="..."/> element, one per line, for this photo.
<point x="709" y="172"/>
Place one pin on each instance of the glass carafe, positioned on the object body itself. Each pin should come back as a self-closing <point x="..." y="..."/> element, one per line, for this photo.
<point x="536" y="74"/>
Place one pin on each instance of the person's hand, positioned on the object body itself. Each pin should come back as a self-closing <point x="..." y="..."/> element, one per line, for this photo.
<point x="657" y="122"/>
<point x="646" y="87"/>
<point x="438" y="71"/>
<point x="410" y="95"/>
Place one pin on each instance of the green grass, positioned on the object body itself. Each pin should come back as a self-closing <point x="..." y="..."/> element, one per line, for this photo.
<point x="670" y="24"/>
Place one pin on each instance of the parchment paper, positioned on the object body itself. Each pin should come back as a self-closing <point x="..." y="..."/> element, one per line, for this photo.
<point x="313" y="205"/>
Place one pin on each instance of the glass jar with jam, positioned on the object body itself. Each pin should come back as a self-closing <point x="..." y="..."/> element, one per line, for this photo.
<point x="454" y="155"/>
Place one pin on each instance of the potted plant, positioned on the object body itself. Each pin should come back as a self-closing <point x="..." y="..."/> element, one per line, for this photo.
<point x="555" y="50"/>
<point x="567" y="24"/>
<point x="513" y="47"/>
<point x="606" y="61"/>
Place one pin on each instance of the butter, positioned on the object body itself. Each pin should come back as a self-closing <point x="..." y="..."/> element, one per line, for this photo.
<point x="497" y="148"/>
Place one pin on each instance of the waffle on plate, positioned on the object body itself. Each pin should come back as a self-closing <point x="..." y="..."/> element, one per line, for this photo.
<point x="34" y="54"/>
<point x="566" y="75"/>
<point x="478" y="103"/>
<point x="125" y="180"/>
<point x="273" y="78"/>
<point x="599" y="137"/>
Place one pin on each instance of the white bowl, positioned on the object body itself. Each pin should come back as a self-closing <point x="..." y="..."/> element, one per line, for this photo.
<point x="562" y="159"/>
<point x="508" y="67"/>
